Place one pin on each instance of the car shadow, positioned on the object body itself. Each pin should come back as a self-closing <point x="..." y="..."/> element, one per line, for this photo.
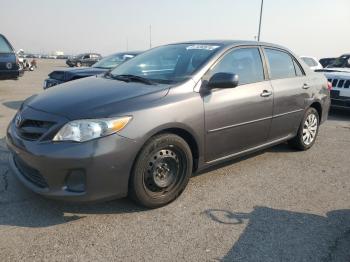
<point x="281" y="235"/>
<point x="13" y="104"/>
<point x="20" y="207"/>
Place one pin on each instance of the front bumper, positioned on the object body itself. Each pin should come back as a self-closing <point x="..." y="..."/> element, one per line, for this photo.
<point x="9" y="74"/>
<point x="106" y="164"/>
<point x="51" y="82"/>
<point x="338" y="101"/>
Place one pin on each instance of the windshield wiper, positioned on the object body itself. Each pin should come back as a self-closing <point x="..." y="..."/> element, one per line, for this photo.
<point x="132" y="78"/>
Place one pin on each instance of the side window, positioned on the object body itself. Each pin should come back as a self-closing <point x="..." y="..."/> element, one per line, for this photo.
<point x="281" y="64"/>
<point x="298" y="69"/>
<point x="4" y="46"/>
<point x="86" y="56"/>
<point x="245" y="62"/>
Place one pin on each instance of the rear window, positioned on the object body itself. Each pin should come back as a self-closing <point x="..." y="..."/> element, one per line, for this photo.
<point x="309" y="61"/>
<point x="4" y="46"/>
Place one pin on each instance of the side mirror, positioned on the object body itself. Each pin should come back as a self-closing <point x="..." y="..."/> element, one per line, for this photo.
<point x="223" y="80"/>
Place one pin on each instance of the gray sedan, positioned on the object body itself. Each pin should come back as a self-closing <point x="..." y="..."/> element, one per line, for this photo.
<point x="157" y="118"/>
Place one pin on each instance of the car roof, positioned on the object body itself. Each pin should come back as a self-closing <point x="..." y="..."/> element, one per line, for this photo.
<point x="227" y="43"/>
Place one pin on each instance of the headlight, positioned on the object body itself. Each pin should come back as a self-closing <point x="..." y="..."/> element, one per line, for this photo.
<point x="87" y="129"/>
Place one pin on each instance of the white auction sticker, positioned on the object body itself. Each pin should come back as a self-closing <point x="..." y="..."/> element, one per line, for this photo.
<point x="203" y="47"/>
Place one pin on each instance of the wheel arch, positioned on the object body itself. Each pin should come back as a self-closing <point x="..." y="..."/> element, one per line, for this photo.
<point x="317" y="105"/>
<point x="190" y="140"/>
<point x="182" y="131"/>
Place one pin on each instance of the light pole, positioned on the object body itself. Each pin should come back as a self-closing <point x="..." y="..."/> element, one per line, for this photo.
<point x="261" y="11"/>
<point x="150" y="36"/>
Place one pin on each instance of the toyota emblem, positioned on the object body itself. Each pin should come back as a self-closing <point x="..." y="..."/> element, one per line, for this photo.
<point x="18" y="120"/>
<point x="9" y="65"/>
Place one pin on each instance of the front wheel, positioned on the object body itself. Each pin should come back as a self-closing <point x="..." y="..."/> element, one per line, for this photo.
<point x="161" y="171"/>
<point x="307" y="131"/>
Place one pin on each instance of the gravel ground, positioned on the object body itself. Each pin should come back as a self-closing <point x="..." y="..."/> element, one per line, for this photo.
<point x="276" y="205"/>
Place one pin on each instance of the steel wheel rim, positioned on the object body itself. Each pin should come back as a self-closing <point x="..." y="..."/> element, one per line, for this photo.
<point x="310" y="129"/>
<point x="164" y="171"/>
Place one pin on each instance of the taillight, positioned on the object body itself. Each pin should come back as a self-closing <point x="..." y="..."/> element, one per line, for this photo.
<point x="329" y="86"/>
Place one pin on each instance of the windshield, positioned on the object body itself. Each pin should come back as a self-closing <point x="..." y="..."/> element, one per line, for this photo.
<point x="4" y="46"/>
<point x="113" y="61"/>
<point x="343" y="61"/>
<point x="168" y="64"/>
<point x="309" y="61"/>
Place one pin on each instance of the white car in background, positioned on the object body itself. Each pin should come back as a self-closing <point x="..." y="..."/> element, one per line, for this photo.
<point x="312" y="62"/>
<point x="338" y="73"/>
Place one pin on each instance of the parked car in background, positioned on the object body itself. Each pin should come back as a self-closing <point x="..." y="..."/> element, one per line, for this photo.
<point x="326" y="61"/>
<point x="312" y="62"/>
<point x="102" y="66"/>
<point x="87" y="59"/>
<point x="9" y="68"/>
<point x="147" y="125"/>
<point x="62" y="57"/>
<point x="338" y="73"/>
<point x="341" y="62"/>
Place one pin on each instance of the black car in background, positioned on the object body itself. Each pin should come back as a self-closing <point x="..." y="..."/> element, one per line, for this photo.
<point x="9" y="68"/>
<point x="102" y="66"/>
<point x="87" y="59"/>
<point x="326" y="61"/>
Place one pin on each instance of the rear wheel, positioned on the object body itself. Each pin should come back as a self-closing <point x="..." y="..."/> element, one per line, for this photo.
<point x="307" y="131"/>
<point x="161" y="171"/>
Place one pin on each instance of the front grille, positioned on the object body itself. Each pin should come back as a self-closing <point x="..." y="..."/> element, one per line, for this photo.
<point x="340" y="83"/>
<point x="33" y="129"/>
<point x="31" y="174"/>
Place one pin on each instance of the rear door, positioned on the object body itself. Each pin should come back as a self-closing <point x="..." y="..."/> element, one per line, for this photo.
<point x="290" y="87"/>
<point x="238" y="118"/>
<point x="7" y="56"/>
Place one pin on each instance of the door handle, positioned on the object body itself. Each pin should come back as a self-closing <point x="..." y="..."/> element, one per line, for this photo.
<point x="306" y="86"/>
<point x="266" y="93"/>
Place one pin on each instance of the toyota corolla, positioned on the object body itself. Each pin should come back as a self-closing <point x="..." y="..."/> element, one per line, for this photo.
<point x="143" y="128"/>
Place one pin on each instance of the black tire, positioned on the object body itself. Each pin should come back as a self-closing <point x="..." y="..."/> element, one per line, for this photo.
<point x="298" y="141"/>
<point x="161" y="171"/>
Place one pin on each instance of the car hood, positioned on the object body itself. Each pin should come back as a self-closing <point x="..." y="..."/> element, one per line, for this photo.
<point x="330" y="73"/>
<point x="335" y="69"/>
<point x="71" y="73"/>
<point x="95" y="97"/>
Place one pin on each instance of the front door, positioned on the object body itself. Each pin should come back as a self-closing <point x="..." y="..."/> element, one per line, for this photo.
<point x="238" y="118"/>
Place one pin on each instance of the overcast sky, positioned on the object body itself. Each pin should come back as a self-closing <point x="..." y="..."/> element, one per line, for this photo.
<point x="308" y="27"/>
